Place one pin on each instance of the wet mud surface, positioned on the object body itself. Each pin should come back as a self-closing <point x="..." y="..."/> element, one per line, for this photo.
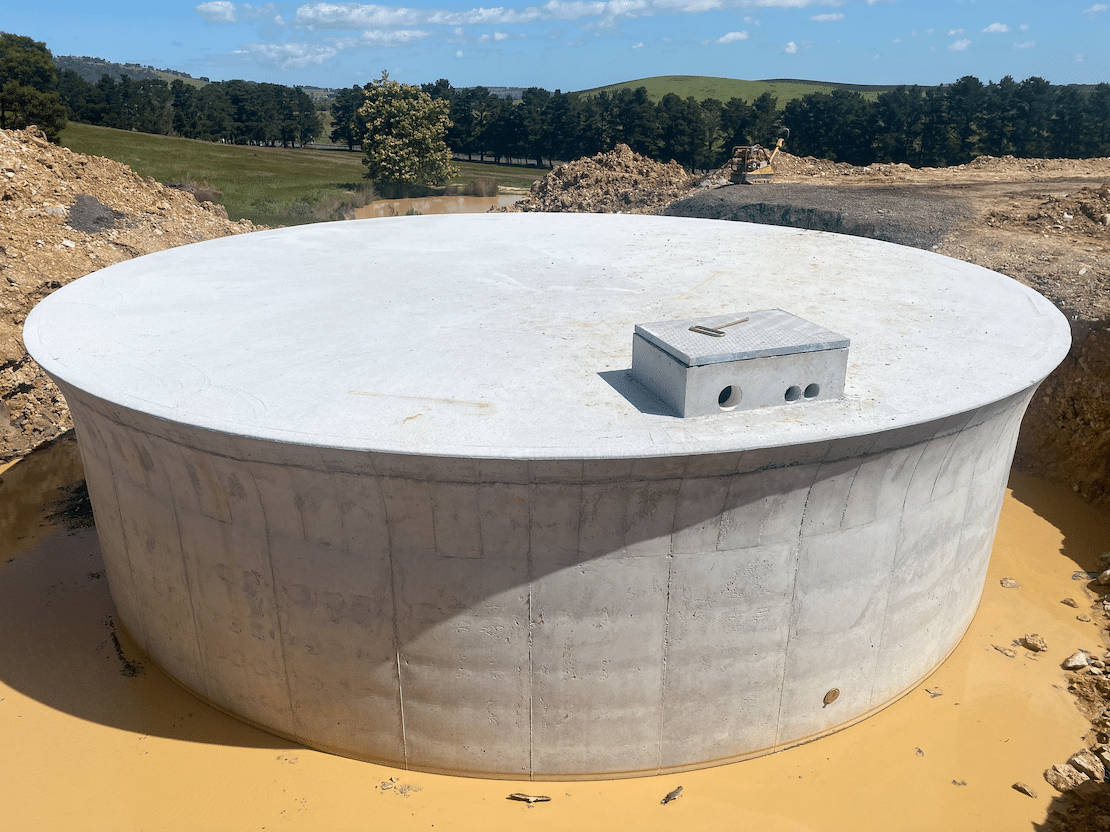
<point x="90" y="745"/>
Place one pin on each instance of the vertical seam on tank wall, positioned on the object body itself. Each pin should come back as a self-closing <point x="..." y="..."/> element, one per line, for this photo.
<point x="793" y="599"/>
<point x="531" y="683"/>
<point x="126" y="545"/>
<point x="192" y="601"/>
<point x="277" y="607"/>
<point x="393" y="617"/>
<point x="667" y="613"/>
<point x="663" y="676"/>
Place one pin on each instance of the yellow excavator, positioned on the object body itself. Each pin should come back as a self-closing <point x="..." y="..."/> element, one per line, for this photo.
<point x="751" y="163"/>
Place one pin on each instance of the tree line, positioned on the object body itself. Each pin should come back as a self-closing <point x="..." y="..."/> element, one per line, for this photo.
<point x="236" y="112"/>
<point x="935" y="126"/>
<point x="921" y="126"/>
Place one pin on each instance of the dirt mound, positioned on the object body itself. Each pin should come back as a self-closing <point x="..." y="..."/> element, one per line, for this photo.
<point x="617" y="182"/>
<point x="1085" y="213"/>
<point x="64" y="215"/>
<point x="805" y="166"/>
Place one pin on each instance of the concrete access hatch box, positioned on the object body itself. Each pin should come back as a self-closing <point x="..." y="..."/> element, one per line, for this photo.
<point x="739" y="361"/>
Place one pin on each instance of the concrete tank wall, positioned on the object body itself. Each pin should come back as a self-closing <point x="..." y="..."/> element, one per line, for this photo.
<point x="547" y="619"/>
<point x="389" y="487"/>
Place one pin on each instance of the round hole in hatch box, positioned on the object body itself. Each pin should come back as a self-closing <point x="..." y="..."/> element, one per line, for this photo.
<point x="813" y="390"/>
<point x="730" y="397"/>
<point x="793" y="393"/>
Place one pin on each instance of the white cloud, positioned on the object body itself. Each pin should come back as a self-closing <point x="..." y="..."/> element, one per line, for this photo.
<point x="458" y="54"/>
<point x="1095" y="9"/>
<point x="790" y="48"/>
<point x="997" y="29"/>
<point x="959" y="46"/>
<point x="953" y="32"/>
<point x="897" y="40"/>
<point x="222" y="11"/>
<point x="1023" y="26"/>
<point x="391" y="37"/>
<point x="320" y="15"/>
<point x="639" y="45"/>
<point x="1029" y="44"/>
<point x="216" y="12"/>
<point x="827" y="18"/>
<point x="289" y="55"/>
<point x="732" y="37"/>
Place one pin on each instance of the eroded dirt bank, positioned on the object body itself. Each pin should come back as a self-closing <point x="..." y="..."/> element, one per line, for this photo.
<point x="63" y="215"/>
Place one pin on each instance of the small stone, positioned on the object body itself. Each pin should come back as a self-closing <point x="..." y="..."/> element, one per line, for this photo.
<point x="69" y="244"/>
<point x="1075" y="661"/>
<point x="1083" y="617"/>
<point x="1086" y="762"/>
<point x="1104" y="755"/>
<point x="1010" y="583"/>
<point x="1063" y="777"/>
<point x="1034" y="642"/>
<point x="386" y="786"/>
<point x="1082" y="271"/>
<point x="1070" y="602"/>
<point x="1104" y="578"/>
<point x="1024" y="789"/>
<point x="1005" y="651"/>
<point x="934" y="692"/>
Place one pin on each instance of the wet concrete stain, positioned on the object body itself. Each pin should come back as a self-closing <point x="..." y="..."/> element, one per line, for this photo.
<point x="128" y="667"/>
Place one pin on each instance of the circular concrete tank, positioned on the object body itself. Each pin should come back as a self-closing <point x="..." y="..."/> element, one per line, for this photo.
<point x="388" y="488"/>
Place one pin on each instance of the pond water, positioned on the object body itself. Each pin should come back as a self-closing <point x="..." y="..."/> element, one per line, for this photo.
<point x="435" y="205"/>
<point x="96" y="737"/>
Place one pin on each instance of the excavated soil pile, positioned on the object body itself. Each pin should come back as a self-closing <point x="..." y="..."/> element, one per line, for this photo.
<point x="617" y="182"/>
<point x="63" y="215"/>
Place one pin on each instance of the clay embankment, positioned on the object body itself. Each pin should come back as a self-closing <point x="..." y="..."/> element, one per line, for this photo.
<point x="63" y="215"/>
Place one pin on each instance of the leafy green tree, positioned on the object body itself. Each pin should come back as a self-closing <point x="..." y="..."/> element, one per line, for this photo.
<point x="1035" y="103"/>
<point x="29" y="86"/>
<point x="899" y="117"/>
<point x="401" y="130"/>
<point x="343" y="111"/>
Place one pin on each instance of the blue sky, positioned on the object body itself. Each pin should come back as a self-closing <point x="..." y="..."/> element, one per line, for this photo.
<point x="578" y="44"/>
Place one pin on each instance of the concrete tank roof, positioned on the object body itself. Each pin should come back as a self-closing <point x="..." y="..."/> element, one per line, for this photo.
<point x="510" y="335"/>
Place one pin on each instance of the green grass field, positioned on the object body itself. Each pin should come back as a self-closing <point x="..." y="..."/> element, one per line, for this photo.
<point x="702" y="87"/>
<point x="269" y="186"/>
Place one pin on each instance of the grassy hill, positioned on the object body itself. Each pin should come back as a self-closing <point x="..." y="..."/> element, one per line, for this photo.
<point x="268" y="185"/>
<point x="91" y="69"/>
<point x="702" y="87"/>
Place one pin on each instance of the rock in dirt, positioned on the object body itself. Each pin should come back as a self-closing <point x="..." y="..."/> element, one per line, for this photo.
<point x="1070" y="602"/>
<point x="1010" y="583"/>
<point x="1086" y="762"/>
<point x="63" y="215"/>
<point x="1005" y="651"/>
<point x="1063" y="776"/>
<point x="1024" y="789"/>
<point x="1104" y="577"/>
<point x="1034" y="642"/>
<point x="1076" y="661"/>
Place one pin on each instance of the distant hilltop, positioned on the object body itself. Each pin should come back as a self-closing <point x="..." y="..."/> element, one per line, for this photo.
<point x="91" y="69"/>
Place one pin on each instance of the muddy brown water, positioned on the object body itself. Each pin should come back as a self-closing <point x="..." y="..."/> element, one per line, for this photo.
<point x="434" y="205"/>
<point x="95" y="737"/>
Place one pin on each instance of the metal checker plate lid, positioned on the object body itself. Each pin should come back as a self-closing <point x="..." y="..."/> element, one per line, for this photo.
<point x="767" y="332"/>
